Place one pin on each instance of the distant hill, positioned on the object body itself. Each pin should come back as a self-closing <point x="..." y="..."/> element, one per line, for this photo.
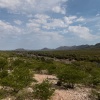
<point x="73" y="47"/>
<point x="20" y="49"/>
<point x="46" y="49"/>
<point x="96" y="46"/>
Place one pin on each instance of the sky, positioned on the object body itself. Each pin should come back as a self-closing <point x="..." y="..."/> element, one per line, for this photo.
<point x="35" y="24"/>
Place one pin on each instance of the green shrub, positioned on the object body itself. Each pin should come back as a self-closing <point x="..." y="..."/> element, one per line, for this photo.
<point x="71" y="76"/>
<point x="43" y="91"/>
<point x="3" y="63"/>
<point x="20" y="78"/>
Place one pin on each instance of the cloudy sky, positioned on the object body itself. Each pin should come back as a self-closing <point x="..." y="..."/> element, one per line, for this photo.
<point x="35" y="24"/>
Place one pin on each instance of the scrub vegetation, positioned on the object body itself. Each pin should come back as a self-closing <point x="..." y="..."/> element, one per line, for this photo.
<point x="75" y="68"/>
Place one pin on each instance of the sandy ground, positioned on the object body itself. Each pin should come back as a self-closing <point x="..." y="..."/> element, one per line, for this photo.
<point x="61" y="94"/>
<point x="76" y="94"/>
<point x="70" y="95"/>
<point x="40" y="78"/>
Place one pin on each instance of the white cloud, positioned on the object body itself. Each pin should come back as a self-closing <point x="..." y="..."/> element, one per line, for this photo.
<point x="59" y="9"/>
<point x="41" y="22"/>
<point x="33" y="32"/>
<point x="56" y="23"/>
<point x="7" y="28"/>
<point x="10" y="4"/>
<point x="45" y="38"/>
<point x="69" y="20"/>
<point x="31" y="6"/>
<point x="97" y="14"/>
<point x="82" y="32"/>
<point x="46" y="22"/>
<point x="41" y="16"/>
<point x="39" y="19"/>
<point x="81" y="19"/>
<point x="18" y="22"/>
<point x="52" y="36"/>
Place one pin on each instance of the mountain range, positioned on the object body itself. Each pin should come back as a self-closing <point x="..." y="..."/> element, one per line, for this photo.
<point x="79" y="47"/>
<point x="96" y="46"/>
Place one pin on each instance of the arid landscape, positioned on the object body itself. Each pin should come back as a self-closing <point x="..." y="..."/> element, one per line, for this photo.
<point x="49" y="49"/>
<point x="37" y="75"/>
<point x="61" y="94"/>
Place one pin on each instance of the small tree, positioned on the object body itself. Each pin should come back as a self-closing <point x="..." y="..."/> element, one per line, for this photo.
<point x="43" y="91"/>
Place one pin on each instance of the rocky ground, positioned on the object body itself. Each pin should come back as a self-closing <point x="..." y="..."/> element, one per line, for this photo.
<point x="61" y="94"/>
<point x="79" y="93"/>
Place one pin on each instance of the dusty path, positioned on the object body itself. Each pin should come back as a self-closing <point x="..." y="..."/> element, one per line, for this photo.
<point x="76" y="94"/>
